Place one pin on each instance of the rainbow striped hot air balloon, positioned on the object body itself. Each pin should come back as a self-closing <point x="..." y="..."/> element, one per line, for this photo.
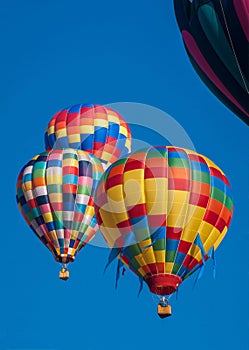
<point x="92" y="128"/>
<point x="163" y="211"/>
<point x="55" y="195"/>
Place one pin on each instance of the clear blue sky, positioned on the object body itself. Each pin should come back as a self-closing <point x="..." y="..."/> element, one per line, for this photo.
<point x="56" y="53"/>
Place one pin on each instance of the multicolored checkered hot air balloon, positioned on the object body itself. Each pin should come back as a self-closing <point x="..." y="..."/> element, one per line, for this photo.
<point x="216" y="37"/>
<point x="55" y="195"/>
<point x="92" y="128"/>
<point x="163" y="211"/>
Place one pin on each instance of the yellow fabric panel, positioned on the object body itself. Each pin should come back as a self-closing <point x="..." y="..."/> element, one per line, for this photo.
<point x="61" y="133"/>
<point x="74" y="234"/>
<point x="193" y="221"/>
<point x="50" y="130"/>
<point x="144" y="243"/>
<point x="136" y="196"/>
<point x="111" y="220"/>
<point x="148" y="255"/>
<point x="90" y="211"/>
<point x="86" y="129"/>
<point x="54" y="179"/>
<point x="195" y="251"/>
<point x="128" y="143"/>
<point x="156" y="189"/>
<point x="159" y="256"/>
<point x="48" y="217"/>
<point x="53" y="237"/>
<point x="168" y="267"/>
<point x="113" y="118"/>
<point x="73" y="138"/>
<point x="178" y="201"/>
<point x="123" y="130"/>
<point x="178" y="209"/>
<point x="205" y="229"/>
<point x="141" y="271"/>
<point x="55" y="198"/>
<point x="156" y="208"/>
<point x="71" y="251"/>
<point x="176" y="220"/>
<point x="137" y="174"/>
<point x="115" y="193"/>
<point x="106" y="155"/>
<point x="211" y="239"/>
<point x="101" y="122"/>
<point x="140" y="260"/>
<point x="70" y="162"/>
<point x="27" y="186"/>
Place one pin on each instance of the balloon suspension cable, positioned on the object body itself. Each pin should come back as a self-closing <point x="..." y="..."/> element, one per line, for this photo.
<point x="64" y="273"/>
<point x="232" y="46"/>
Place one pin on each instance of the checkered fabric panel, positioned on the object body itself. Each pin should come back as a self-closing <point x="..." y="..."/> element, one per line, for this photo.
<point x="55" y="195"/>
<point x="154" y="204"/>
<point x="92" y="128"/>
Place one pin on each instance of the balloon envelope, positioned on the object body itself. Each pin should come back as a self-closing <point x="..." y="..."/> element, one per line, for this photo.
<point x="164" y="209"/>
<point x="92" y="128"/>
<point x="55" y="195"/>
<point x="216" y="34"/>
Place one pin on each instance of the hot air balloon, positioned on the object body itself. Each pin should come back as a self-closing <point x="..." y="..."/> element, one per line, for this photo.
<point x="216" y="34"/>
<point x="92" y="128"/>
<point x="163" y="211"/>
<point x="55" y="195"/>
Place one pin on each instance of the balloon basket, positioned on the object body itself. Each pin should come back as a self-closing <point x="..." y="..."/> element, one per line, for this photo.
<point x="164" y="311"/>
<point x="64" y="274"/>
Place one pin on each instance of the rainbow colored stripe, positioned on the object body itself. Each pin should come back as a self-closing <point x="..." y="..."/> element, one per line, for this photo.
<point x="154" y="204"/>
<point x="55" y="195"/>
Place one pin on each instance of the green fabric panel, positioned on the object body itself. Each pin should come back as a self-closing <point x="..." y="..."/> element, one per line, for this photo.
<point x="69" y="155"/>
<point x="176" y="268"/>
<point x="178" y="163"/>
<point x="85" y="190"/>
<point x="213" y="29"/>
<point x="38" y="172"/>
<point x="135" y="263"/>
<point x="157" y="153"/>
<point x="217" y="194"/>
<point x="55" y="188"/>
<point x="142" y="233"/>
<point x="200" y="176"/>
<point x="228" y="203"/>
<point x="170" y="256"/>
<point x="159" y="244"/>
<point x="133" y="250"/>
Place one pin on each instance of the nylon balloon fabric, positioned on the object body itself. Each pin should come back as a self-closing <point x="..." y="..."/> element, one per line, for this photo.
<point x="216" y="34"/>
<point x="55" y="195"/>
<point x="92" y="128"/>
<point x="164" y="209"/>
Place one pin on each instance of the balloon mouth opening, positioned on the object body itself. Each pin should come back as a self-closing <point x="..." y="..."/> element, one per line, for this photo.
<point x="64" y="259"/>
<point x="163" y="283"/>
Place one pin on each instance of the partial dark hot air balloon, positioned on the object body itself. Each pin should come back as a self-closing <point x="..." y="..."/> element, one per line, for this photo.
<point x="96" y="129"/>
<point x="163" y="211"/>
<point x="216" y="37"/>
<point x="55" y="195"/>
